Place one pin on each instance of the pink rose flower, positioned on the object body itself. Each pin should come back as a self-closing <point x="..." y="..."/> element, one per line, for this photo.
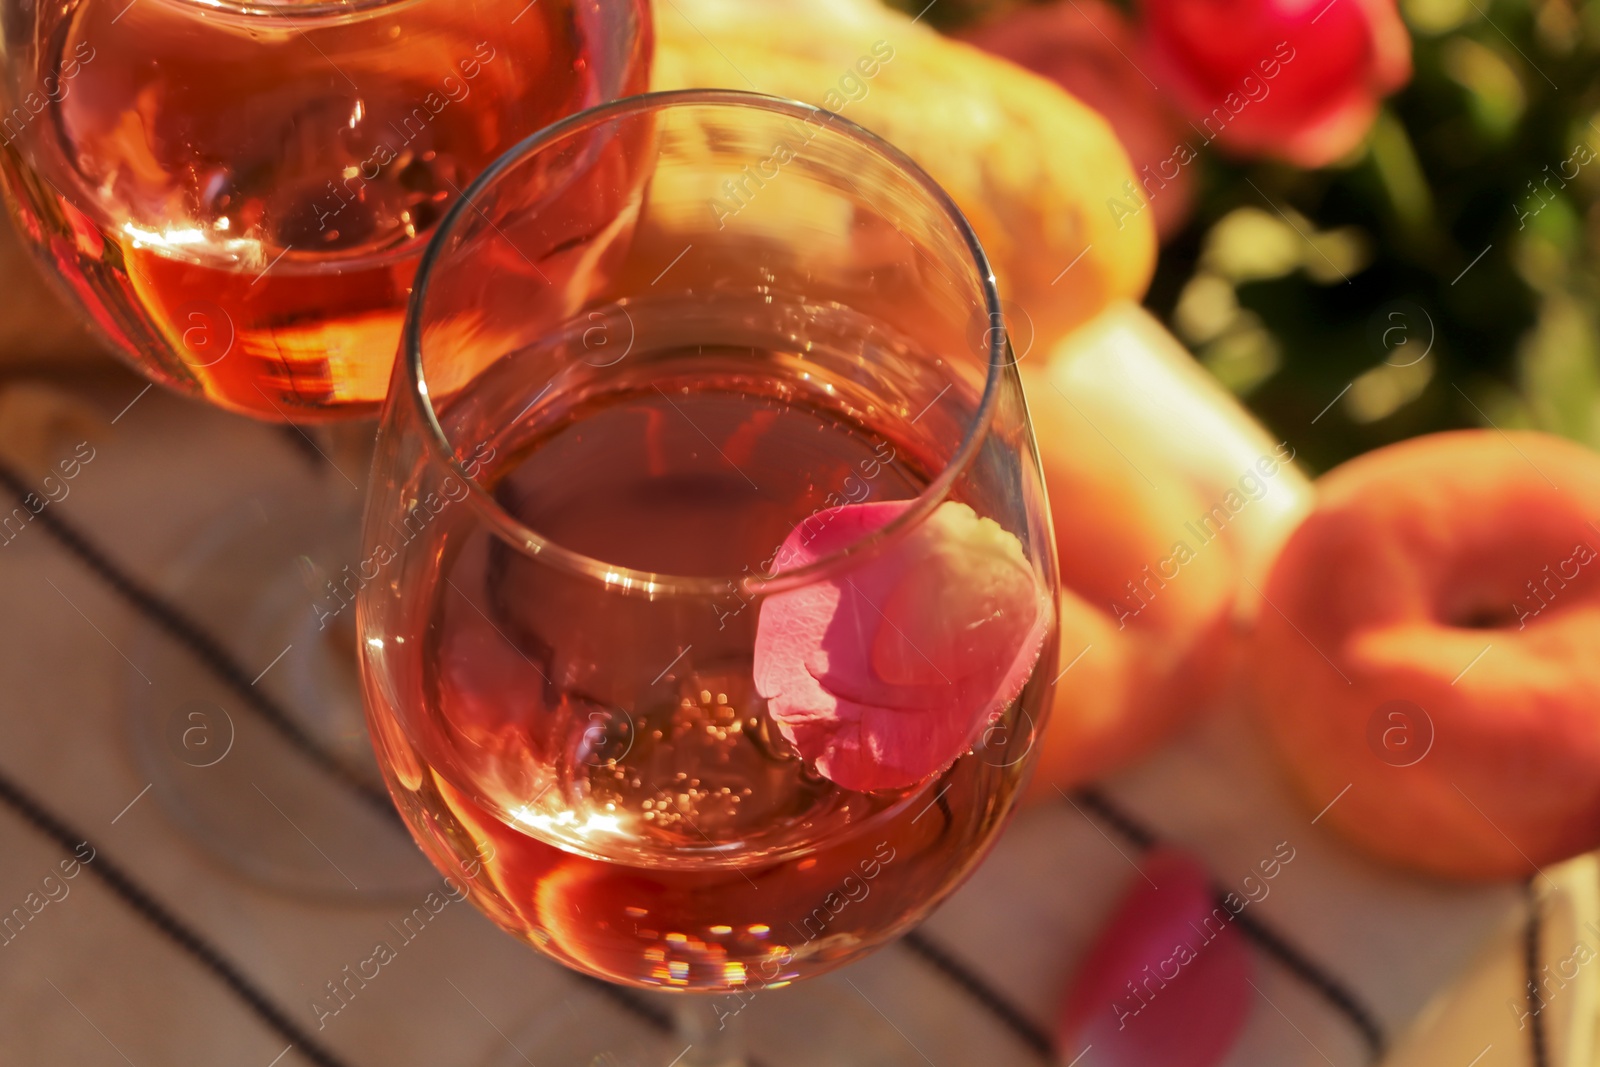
<point x="886" y="674"/>
<point x="1297" y="80"/>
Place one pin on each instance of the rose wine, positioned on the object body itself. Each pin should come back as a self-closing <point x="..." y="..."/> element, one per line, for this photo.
<point x="598" y="769"/>
<point x="239" y="193"/>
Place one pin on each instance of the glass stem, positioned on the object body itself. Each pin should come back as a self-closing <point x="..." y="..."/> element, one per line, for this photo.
<point x="714" y="1035"/>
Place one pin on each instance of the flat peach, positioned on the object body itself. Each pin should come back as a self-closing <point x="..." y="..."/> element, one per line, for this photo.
<point x="1168" y="499"/>
<point x="1429" y="657"/>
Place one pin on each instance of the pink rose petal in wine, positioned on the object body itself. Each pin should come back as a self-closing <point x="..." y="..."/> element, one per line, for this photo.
<point x="886" y="673"/>
<point x="1168" y="980"/>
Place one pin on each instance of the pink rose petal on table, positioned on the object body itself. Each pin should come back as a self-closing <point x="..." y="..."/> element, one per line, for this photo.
<point x="1168" y="980"/>
<point x="886" y="673"/>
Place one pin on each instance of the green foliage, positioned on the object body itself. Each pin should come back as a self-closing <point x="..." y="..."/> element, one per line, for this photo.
<point x="1469" y="218"/>
<point x="1480" y="236"/>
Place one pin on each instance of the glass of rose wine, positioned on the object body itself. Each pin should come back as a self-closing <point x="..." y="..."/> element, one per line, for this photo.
<point x="717" y="598"/>
<point x="237" y="194"/>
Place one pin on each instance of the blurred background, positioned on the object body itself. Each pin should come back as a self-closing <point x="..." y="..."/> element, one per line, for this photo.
<point x="1349" y="223"/>
<point x="1487" y="150"/>
<point x="1290" y="283"/>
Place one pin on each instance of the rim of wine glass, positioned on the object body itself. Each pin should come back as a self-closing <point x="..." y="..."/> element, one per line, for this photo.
<point x="289" y="9"/>
<point x="298" y="8"/>
<point x="650" y="583"/>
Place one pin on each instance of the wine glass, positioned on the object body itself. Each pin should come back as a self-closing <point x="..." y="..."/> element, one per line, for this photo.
<point x="237" y="194"/>
<point x="715" y="607"/>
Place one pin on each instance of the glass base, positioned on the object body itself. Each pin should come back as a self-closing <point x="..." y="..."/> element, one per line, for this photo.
<point x="255" y="577"/>
<point x="822" y="1021"/>
<point x="587" y="1029"/>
